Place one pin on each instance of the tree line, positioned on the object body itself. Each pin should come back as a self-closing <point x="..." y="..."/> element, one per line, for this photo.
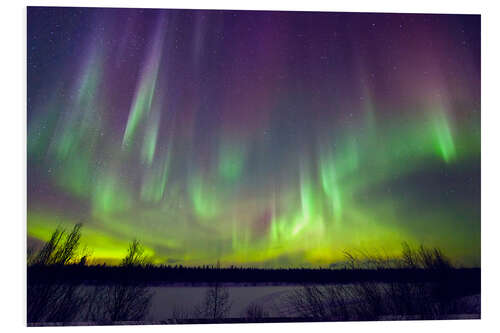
<point x="421" y="283"/>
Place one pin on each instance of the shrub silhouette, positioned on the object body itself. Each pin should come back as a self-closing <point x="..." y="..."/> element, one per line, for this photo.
<point x="118" y="303"/>
<point x="124" y="300"/>
<point x="216" y="304"/>
<point x="56" y="300"/>
<point x="135" y="255"/>
<point x="320" y="302"/>
<point x="420" y="283"/>
<point x="370" y="300"/>
<point x="60" y="249"/>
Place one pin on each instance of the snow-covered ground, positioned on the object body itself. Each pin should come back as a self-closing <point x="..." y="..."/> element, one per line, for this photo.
<point x="166" y="299"/>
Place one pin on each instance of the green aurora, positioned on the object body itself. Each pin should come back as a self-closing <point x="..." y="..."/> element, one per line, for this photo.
<point x="233" y="150"/>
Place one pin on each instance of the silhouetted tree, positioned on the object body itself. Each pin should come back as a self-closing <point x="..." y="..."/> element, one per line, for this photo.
<point x="216" y="304"/>
<point x="321" y="302"/>
<point x="135" y="255"/>
<point x="125" y="300"/>
<point x="119" y="302"/>
<point x="55" y="300"/>
<point x="66" y="252"/>
<point x="60" y="249"/>
<point x="432" y="298"/>
<point x="45" y="255"/>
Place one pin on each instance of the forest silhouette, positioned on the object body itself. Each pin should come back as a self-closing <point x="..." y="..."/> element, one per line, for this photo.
<point x="63" y="288"/>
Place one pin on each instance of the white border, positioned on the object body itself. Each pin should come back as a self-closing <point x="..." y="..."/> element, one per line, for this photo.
<point x="13" y="154"/>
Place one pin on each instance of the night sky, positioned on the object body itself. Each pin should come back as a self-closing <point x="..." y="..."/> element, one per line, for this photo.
<point x="270" y="139"/>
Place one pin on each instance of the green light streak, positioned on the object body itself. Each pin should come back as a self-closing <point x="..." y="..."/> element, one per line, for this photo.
<point x="444" y="138"/>
<point x="141" y="106"/>
<point x="153" y="187"/>
<point x="109" y="196"/>
<point x="231" y="160"/>
<point x="143" y="100"/>
<point x="336" y="199"/>
<point x="149" y="145"/>
<point x="75" y="174"/>
<point x="329" y="181"/>
<point x="203" y="198"/>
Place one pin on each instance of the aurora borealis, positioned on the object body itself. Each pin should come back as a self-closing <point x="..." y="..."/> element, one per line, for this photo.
<point x="270" y="139"/>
